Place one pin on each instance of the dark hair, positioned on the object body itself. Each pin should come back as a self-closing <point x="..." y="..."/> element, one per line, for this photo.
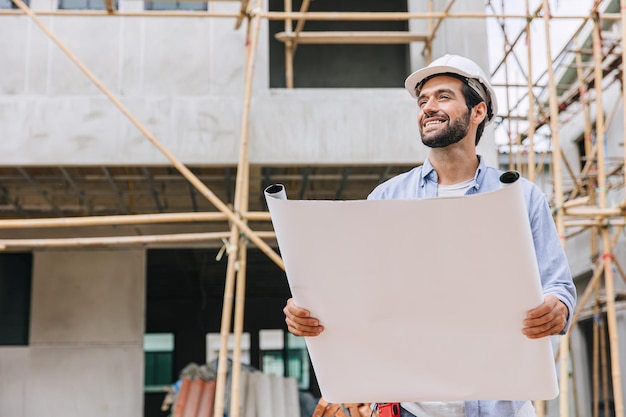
<point x="472" y="98"/>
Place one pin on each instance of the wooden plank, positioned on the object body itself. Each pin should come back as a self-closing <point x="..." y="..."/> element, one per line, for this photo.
<point x="332" y="409"/>
<point x="353" y="409"/>
<point x="366" y="411"/>
<point x="340" y="412"/>
<point x="320" y="408"/>
<point x="359" y="37"/>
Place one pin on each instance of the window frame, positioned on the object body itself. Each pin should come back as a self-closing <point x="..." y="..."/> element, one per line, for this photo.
<point x="155" y="349"/>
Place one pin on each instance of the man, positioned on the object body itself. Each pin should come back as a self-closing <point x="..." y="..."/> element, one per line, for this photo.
<point x="456" y="102"/>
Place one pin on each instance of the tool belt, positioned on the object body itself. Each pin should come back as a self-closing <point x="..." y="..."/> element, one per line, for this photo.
<point x="388" y="409"/>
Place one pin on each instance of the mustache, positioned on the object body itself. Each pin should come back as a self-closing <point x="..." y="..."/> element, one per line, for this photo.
<point x="436" y="114"/>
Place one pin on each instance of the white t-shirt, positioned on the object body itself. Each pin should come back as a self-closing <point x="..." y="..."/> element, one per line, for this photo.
<point x="436" y="408"/>
<point x="454" y="190"/>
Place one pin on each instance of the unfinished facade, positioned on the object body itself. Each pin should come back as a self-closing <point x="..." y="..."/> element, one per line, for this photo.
<point x="137" y="138"/>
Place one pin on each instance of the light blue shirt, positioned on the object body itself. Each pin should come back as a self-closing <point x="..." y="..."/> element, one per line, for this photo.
<point x="556" y="278"/>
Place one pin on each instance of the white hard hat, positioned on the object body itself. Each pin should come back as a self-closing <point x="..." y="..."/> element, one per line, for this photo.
<point x="466" y="68"/>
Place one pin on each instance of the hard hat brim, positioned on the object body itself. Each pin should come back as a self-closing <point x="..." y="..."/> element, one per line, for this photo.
<point x="418" y="76"/>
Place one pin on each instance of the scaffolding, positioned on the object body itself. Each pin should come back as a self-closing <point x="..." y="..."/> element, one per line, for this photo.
<point x="594" y="54"/>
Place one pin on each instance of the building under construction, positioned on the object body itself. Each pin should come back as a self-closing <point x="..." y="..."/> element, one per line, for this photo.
<point x="136" y="138"/>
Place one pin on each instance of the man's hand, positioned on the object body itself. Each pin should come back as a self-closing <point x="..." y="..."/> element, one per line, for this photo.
<point x="547" y="319"/>
<point x="299" y="320"/>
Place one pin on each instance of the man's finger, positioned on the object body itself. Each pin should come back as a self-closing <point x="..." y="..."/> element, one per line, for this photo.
<point x="299" y="329"/>
<point x="538" y="330"/>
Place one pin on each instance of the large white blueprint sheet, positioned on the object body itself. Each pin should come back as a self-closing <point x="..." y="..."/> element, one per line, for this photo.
<point x="421" y="300"/>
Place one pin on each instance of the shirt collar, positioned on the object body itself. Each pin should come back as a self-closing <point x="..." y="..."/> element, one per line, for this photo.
<point x="429" y="173"/>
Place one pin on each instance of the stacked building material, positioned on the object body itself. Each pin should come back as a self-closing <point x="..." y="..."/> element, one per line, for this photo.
<point x="195" y="398"/>
<point x="261" y="395"/>
<point x="326" y="409"/>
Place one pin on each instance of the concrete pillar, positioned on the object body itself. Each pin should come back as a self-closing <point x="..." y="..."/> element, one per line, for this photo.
<point x="86" y="343"/>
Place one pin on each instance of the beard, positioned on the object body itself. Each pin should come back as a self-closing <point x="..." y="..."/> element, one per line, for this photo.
<point x="453" y="133"/>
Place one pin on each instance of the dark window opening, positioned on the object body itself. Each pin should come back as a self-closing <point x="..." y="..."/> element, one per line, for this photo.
<point x="584" y="158"/>
<point x="582" y="152"/>
<point x="342" y="65"/>
<point x="15" y="295"/>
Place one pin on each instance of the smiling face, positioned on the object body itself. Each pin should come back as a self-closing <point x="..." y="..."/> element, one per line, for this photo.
<point x="444" y="118"/>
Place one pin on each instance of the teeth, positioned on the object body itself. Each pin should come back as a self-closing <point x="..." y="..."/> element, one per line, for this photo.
<point x="434" y="122"/>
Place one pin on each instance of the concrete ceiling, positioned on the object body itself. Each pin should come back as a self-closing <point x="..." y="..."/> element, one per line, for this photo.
<point x="54" y="192"/>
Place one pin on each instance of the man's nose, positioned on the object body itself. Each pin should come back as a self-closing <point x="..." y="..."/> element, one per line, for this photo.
<point x="429" y="106"/>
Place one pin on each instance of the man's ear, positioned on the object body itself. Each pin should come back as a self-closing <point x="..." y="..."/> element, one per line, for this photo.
<point x="479" y="112"/>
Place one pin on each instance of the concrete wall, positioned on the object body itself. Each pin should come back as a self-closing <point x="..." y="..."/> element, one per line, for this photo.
<point x="183" y="78"/>
<point x="85" y="356"/>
